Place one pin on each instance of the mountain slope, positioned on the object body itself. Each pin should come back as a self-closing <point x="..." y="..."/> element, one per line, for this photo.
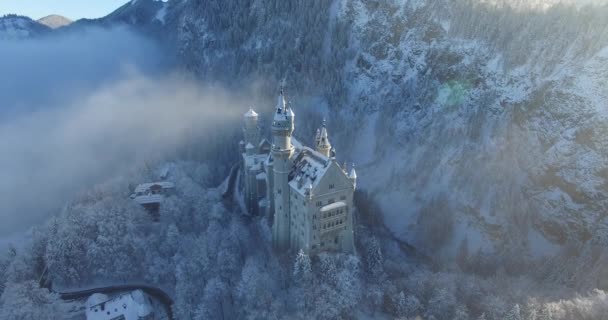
<point x="482" y="120"/>
<point x="13" y="27"/>
<point x="147" y="16"/>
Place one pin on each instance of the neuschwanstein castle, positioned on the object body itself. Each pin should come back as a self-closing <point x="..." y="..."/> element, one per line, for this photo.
<point x="307" y="194"/>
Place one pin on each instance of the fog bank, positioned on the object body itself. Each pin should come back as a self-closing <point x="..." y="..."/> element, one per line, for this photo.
<point x="83" y="107"/>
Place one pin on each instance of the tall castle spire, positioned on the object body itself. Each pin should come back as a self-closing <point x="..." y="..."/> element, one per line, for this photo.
<point x="323" y="144"/>
<point x="282" y="130"/>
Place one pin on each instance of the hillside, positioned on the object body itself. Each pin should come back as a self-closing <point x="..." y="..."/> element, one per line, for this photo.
<point x="478" y="129"/>
<point x="14" y="27"/>
<point x="480" y="120"/>
<point x="466" y="117"/>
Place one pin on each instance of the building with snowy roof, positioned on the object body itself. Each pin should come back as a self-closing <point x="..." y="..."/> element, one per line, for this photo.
<point x="152" y="192"/>
<point x="134" y="305"/>
<point x="306" y="192"/>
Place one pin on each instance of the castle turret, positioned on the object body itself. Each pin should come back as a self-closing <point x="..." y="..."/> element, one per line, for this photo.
<point x="353" y="176"/>
<point x="318" y="137"/>
<point x="251" y="131"/>
<point x="249" y="149"/>
<point x="323" y="145"/>
<point x="282" y="150"/>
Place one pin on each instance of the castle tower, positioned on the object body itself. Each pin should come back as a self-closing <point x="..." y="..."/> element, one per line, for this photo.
<point x="251" y="131"/>
<point x="323" y="145"/>
<point x="282" y="150"/>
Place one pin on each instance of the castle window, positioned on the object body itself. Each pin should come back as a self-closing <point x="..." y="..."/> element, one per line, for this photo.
<point x="314" y="246"/>
<point x="319" y="203"/>
<point x="336" y="240"/>
<point x="342" y="197"/>
<point x="330" y="201"/>
<point x="331" y="186"/>
<point x="314" y="216"/>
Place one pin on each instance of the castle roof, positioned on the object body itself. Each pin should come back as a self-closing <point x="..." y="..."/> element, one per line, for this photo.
<point x="333" y="206"/>
<point x="290" y="112"/>
<point x="309" y="166"/>
<point x="353" y="173"/>
<point x="250" y="113"/>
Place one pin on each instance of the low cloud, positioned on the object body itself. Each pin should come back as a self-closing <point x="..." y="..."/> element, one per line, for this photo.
<point x="90" y="123"/>
<point x="41" y="73"/>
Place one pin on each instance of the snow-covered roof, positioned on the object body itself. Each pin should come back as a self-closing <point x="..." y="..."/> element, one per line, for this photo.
<point x="309" y="167"/>
<point x="353" y="173"/>
<point x="279" y="116"/>
<point x="249" y="146"/>
<point x="95" y="299"/>
<point x="149" y="199"/>
<point x="144" y="187"/>
<point x="250" y="113"/>
<point x="264" y="145"/>
<point x="333" y="206"/>
<point x="254" y="161"/>
<point x="261" y="176"/>
<point x="290" y="113"/>
<point x="128" y="306"/>
<point x="282" y="111"/>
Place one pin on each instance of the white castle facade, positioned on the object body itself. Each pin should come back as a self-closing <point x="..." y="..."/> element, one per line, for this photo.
<point x="307" y="194"/>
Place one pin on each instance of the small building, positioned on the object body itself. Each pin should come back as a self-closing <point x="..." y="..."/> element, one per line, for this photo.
<point x="135" y="305"/>
<point x="150" y="195"/>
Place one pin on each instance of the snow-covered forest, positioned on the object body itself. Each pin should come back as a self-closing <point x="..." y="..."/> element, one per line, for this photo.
<point x="217" y="263"/>
<point x="478" y="129"/>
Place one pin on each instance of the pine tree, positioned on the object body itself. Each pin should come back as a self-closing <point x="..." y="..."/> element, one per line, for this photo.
<point x="375" y="260"/>
<point x="26" y="301"/>
<point x="514" y="313"/>
<point x="413" y="307"/>
<point x="302" y="269"/>
<point x="401" y="305"/>
<point x="328" y="271"/>
<point x="461" y="313"/>
<point x="303" y="280"/>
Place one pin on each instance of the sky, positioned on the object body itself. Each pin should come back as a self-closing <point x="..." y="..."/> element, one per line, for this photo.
<point x="72" y="9"/>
